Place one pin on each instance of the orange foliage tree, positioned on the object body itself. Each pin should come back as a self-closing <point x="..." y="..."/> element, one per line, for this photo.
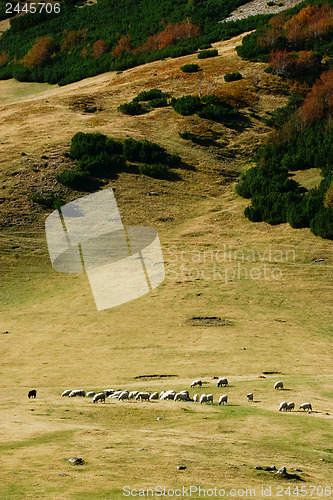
<point x="170" y="35"/>
<point x="39" y="53"/>
<point x="99" y="48"/>
<point x="73" y="38"/>
<point x="319" y="102"/>
<point x="310" y="22"/>
<point x="123" y="45"/>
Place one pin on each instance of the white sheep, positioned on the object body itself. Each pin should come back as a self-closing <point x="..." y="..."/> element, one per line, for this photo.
<point x="115" y="394"/>
<point x="143" y="395"/>
<point x="306" y="406"/>
<point x="90" y="394"/>
<point x="210" y="398"/>
<point x="221" y="382"/>
<point x="66" y="392"/>
<point x="278" y="385"/>
<point x="181" y="396"/>
<point x="283" y="406"/>
<point x="123" y="395"/>
<point x="153" y="396"/>
<point x="290" y="406"/>
<point x="203" y="398"/>
<point x="77" y="392"/>
<point x="108" y="392"/>
<point x="168" y="395"/>
<point x="100" y="396"/>
<point x="196" y="397"/>
<point x="223" y="399"/>
<point x="132" y="394"/>
<point x="196" y="382"/>
<point x="249" y="396"/>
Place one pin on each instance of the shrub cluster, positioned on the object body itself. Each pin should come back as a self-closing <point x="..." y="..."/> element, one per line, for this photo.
<point x="210" y="107"/>
<point x="275" y="197"/>
<point x="202" y="140"/>
<point x="190" y="68"/>
<point x="232" y="77"/>
<point x="47" y="199"/>
<point x="208" y="53"/>
<point x="153" y="98"/>
<point x="101" y="157"/>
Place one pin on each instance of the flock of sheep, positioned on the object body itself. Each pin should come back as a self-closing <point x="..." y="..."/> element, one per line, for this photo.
<point x="184" y="395"/>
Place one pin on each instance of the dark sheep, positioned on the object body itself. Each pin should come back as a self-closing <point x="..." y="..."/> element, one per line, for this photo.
<point x="32" y="393"/>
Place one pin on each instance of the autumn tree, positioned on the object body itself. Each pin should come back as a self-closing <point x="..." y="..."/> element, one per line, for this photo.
<point x="99" y="48"/>
<point x="40" y="52"/>
<point x="319" y="102"/>
<point x="169" y="36"/>
<point x="73" y="38"/>
<point x="123" y="45"/>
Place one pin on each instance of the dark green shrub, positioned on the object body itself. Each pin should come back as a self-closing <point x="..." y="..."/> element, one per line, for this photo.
<point x="216" y="109"/>
<point x="148" y="95"/>
<point x="75" y="179"/>
<point x="48" y="199"/>
<point x="232" y="77"/>
<point x="190" y="68"/>
<point x="205" y="46"/>
<point x="186" y="105"/>
<point x="157" y="170"/>
<point x="133" y="108"/>
<point x="158" y="103"/>
<point x="92" y="144"/>
<point x="208" y="53"/>
<point x="322" y="223"/>
<point x="102" y="165"/>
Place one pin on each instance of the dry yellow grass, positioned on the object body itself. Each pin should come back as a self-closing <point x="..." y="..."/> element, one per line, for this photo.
<point x="57" y="339"/>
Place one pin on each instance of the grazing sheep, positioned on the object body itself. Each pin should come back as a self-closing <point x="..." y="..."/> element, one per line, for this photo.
<point x="153" y="396"/>
<point x="283" y="406"/>
<point x="196" y="397"/>
<point x="278" y="385"/>
<point x="77" y="392"/>
<point x="306" y="406"/>
<point x="203" y="398"/>
<point x="168" y="395"/>
<point x="181" y="396"/>
<point x="123" y="395"/>
<point x="100" y="396"/>
<point x="32" y="393"/>
<point x="209" y="398"/>
<point x="187" y="394"/>
<point x="221" y="382"/>
<point x="90" y="394"/>
<point x="115" y="394"/>
<point x="290" y="406"/>
<point x="249" y="396"/>
<point x="223" y="399"/>
<point x="196" y="382"/>
<point x="143" y="395"/>
<point x="66" y="392"/>
<point x="108" y="392"/>
<point x="132" y="394"/>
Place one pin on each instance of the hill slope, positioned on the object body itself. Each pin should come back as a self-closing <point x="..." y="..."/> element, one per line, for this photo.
<point x="262" y="295"/>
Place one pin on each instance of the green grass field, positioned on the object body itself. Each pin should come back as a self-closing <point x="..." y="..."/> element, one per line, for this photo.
<point x="262" y="281"/>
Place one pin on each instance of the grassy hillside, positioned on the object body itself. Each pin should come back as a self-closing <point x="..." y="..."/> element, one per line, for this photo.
<point x="273" y="298"/>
